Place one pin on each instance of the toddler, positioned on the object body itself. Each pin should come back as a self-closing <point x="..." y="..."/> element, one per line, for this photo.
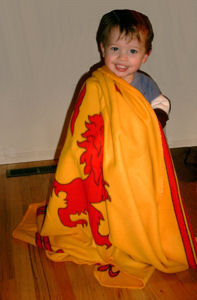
<point x="115" y="200"/>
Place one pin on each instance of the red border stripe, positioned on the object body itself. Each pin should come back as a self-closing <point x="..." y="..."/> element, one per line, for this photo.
<point x="183" y="222"/>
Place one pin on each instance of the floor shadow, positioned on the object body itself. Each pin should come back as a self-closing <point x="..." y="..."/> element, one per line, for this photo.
<point x="185" y="162"/>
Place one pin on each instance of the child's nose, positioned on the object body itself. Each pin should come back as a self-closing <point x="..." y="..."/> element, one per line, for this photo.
<point x="123" y="56"/>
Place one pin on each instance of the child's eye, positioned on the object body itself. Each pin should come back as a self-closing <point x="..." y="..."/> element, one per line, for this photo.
<point x="114" y="49"/>
<point x="133" y="51"/>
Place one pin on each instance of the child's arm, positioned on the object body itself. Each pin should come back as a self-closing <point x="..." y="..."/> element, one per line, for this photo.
<point x="162" y="116"/>
<point x="161" y="106"/>
<point x="150" y="90"/>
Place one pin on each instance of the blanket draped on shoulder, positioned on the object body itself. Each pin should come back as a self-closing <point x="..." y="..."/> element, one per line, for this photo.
<point x="115" y="200"/>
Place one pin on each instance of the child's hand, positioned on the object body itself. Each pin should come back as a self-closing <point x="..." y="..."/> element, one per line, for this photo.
<point x="162" y="116"/>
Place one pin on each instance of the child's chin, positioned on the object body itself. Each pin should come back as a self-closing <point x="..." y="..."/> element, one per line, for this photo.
<point x="119" y="74"/>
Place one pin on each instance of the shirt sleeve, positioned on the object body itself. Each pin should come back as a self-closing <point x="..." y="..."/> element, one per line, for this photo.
<point x="162" y="103"/>
<point x="150" y="90"/>
<point x="146" y="85"/>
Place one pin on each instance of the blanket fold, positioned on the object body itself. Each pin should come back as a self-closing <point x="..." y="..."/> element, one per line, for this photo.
<point x="115" y="200"/>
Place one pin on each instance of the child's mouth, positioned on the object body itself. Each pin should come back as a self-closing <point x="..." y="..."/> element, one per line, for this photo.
<point x="121" y="68"/>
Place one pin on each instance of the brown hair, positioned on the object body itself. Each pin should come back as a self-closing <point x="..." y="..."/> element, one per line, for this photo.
<point x="129" y="22"/>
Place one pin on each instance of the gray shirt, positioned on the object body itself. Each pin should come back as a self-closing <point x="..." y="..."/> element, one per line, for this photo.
<point x="146" y="85"/>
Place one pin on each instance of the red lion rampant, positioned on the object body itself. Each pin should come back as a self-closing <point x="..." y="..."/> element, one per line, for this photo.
<point x="82" y="193"/>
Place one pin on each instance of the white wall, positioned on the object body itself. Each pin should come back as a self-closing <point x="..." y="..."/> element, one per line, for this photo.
<point x="47" y="45"/>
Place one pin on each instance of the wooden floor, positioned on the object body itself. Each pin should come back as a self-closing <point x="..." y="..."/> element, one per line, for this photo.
<point x="26" y="273"/>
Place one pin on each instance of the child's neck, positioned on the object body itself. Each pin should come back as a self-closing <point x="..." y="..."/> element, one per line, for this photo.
<point x="132" y="78"/>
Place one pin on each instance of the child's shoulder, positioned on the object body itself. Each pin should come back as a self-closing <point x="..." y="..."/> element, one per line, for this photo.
<point x="144" y="77"/>
<point x="92" y="82"/>
<point x="145" y="81"/>
<point x="146" y="85"/>
<point x="92" y="86"/>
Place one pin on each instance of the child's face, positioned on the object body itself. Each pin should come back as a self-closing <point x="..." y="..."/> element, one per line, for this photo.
<point x="123" y="55"/>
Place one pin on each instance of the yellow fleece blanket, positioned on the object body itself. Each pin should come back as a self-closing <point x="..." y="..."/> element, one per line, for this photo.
<point x="115" y="201"/>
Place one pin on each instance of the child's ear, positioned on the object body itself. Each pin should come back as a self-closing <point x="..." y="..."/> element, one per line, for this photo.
<point x="146" y="56"/>
<point x="102" y="49"/>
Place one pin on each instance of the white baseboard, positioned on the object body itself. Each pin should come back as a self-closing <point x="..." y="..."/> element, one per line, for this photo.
<point x="182" y="143"/>
<point x="11" y="157"/>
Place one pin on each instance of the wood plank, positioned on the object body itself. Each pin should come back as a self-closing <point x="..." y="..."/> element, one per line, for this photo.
<point x="26" y="273"/>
